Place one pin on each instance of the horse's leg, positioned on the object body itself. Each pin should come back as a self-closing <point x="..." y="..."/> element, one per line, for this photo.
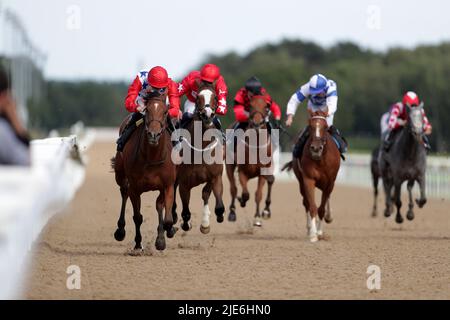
<point x="185" y="193"/>
<point x="410" y="213"/>
<point x="169" y="198"/>
<point x="258" y="198"/>
<point x="309" y="187"/>
<point x="322" y="209"/>
<point x="174" y="205"/>
<point x="206" y="192"/>
<point x="160" y="242"/>
<point x="423" y="198"/>
<point x="375" y="179"/>
<point x="219" y="209"/>
<point x="119" y="235"/>
<point x="137" y="218"/>
<point x="328" y="217"/>
<point x="245" y="194"/>
<point x="233" y="191"/>
<point x="398" y="201"/>
<point x="387" y="184"/>
<point x="266" y="214"/>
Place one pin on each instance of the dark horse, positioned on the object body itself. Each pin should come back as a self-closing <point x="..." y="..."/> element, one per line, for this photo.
<point x="405" y="161"/>
<point x="253" y="166"/>
<point x="146" y="165"/>
<point x="317" y="168"/>
<point x="205" y="161"/>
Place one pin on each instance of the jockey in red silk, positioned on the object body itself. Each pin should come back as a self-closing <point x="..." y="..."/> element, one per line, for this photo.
<point x="399" y="116"/>
<point x="253" y="87"/>
<point x="146" y="85"/>
<point x="209" y="73"/>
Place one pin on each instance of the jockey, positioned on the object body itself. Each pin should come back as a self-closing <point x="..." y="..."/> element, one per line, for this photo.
<point x="322" y="95"/>
<point x="146" y="85"/>
<point x="399" y="116"/>
<point x="242" y="99"/>
<point x="209" y="73"/>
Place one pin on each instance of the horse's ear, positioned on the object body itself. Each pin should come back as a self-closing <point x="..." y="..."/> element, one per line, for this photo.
<point x="198" y="82"/>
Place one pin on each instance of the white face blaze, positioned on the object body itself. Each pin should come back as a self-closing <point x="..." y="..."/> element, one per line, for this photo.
<point x="207" y="95"/>
<point x="317" y="130"/>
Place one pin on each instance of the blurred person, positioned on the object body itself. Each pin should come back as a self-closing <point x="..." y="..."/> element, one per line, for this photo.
<point x="398" y="118"/>
<point x="209" y="73"/>
<point x="14" y="138"/>
<point x="322" y="95"/>
<point x="253" y="87"/>
<point x="148" y="84"/>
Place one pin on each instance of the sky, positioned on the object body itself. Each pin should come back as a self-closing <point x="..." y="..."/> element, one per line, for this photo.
<point x="112" y="40"/>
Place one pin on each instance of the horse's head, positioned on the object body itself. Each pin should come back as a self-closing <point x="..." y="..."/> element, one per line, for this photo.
<point x="258" y="113"/>
<point x="206" y="103"/>
<point x="317" y="131"/>
<point x="415" y="121"/>
<point x="155" y="119"/>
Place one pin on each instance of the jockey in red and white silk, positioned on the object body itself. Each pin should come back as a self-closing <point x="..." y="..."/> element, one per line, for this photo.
<point x="398" y="118"/>
<point x="242" y="105"/>
<point x="189" y="87"/>
<point x="146" y="83"/>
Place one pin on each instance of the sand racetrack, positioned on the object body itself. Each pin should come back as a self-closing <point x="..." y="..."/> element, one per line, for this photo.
<point x="237" y="261"/>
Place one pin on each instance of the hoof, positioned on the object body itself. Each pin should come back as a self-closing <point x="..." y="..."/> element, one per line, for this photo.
<point x="220" y="218"/>
<point x="328" y="219"/>
<point x="387" y="213"/>
<point x="313" y="239"/>
<point x="136" y="252"/>
<point x="410" y="215"/>
<point x="205" y="230"/>
<point x="171" y="233"/>
<point x="119" y="235"/>
<point x="244" y="199"/>
<point x="160" y="244"/>
<point x="374" y="213"/>
<point x="257" y="223"/>
<point x="232" y="216"/>
<point x="186" y="226"/>
<point x="266" y="214"/>
<point x="421" y="202"/>
<point x="399" y="219"/>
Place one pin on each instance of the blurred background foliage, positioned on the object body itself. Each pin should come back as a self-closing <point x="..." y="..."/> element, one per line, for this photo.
<point x="368" y="83"/>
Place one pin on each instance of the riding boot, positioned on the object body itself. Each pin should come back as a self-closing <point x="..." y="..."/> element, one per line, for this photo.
<point x="128" y="130"/>
<point x="340" y="140"/>
<point x="171" y="128"/>
<point x="387" y="143"/>
<point x="298" y="148"/>
<point x="218" y="125"/>
<point x="186" y="120"/>
<point x="426" y="143"/>
<point x="269" y="127"/>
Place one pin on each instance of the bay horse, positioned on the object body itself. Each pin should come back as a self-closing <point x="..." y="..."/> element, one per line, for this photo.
<point x="197" y="170"/>
<point x="145" y="165"/>
<point x="261" y="146"/>
<point x="405" y="161"/>
<point x="317" y="168"/>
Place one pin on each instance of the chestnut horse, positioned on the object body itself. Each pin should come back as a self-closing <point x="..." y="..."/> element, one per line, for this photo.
<point x="252" y="169"/>
<point x="196" y="170"/>
<point x="146" y="165"/>
<point x="317" y="168"/>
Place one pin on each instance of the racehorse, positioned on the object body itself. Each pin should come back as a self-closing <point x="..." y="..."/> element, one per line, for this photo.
<point x="375" y="170"/>
<point x="190" y="175"/>
<point x="405" y="161"/>
<point x="146" y="165"/>
<point x="252" y="169"/>
<point x="317" y="168"/>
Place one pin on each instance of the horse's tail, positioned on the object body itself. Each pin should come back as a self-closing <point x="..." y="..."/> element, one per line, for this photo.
<point x="288" y="166"/>
<point x="113" y="162"/>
